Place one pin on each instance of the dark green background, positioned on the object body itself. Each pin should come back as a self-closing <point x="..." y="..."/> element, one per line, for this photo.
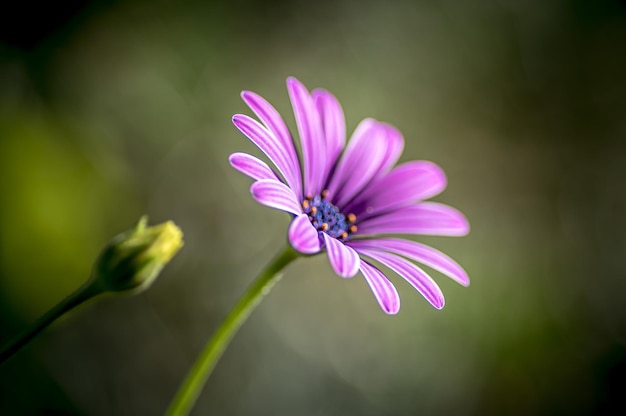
<point x="109" y="110"/>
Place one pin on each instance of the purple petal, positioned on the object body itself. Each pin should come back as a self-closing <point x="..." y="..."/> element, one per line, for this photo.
<point x="407" y="183"/>
<point x="418" y="252"/>
<point x="252" y="167"/>
<point x="333" y="125"/>
<point x="303" y="236"/>
<point x="310" y="131"/>
<point x="422" y="282"/>
<point x="428" y="218"/>
<point x="369" y="152"/>
<point x="343" y="259"/>
<point x="276" y="195"/>
<point x="384" y="291"/>
<point x="395" y="146"/>
<point x="269" y="145"/>
<point x="276" y="125"/>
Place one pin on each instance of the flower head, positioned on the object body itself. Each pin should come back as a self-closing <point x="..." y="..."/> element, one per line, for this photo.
<point x="345" y="198"/>
<point x="131" y="261"/>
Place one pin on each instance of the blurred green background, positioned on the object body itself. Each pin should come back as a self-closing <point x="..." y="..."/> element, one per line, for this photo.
<point x="109" y="110"/>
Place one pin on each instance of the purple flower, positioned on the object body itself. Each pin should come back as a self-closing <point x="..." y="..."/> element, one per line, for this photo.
<point x="345" y="198"/>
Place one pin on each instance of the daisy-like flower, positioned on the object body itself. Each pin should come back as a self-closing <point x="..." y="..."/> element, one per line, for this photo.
<point x="344" y="199"/>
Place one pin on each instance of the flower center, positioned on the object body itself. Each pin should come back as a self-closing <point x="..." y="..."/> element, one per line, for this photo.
<point x="328" y="218"/>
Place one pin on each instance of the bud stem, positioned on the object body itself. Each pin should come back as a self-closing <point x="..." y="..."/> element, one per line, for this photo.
<point x="85" y="292"/>
<point x="197" y="377"/>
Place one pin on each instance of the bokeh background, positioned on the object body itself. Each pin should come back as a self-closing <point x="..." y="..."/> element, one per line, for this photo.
<point x="111" y="110"/>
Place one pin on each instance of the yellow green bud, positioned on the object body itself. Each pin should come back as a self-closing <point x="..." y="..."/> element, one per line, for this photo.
<point x="133" y="260"/>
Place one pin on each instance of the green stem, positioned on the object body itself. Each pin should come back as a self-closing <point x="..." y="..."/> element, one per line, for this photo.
<point x="89" y="290"/>
<point x="198" y="375"/>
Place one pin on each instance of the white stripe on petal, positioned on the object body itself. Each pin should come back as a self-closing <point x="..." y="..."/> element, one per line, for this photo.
<point x="333" y="126"/>
<point x="276" y="195"/>
<point x="303" y="236"/>
<point x="310" y="130"/>
<point x="427" y="218"/>
<point x="276" y="125"/>
<point x="421" y="281"/>
<point x="371" y="150"/>
<point x="270" y="145"/>
<point x="343" y="259"/>
<point x="252" y="167"/>
<point x="418" y="252"/>
<point x="405" y="184"/>
<point x="384" y="291"/>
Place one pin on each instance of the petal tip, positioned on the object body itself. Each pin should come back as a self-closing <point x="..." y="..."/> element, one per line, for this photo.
<point x="294" y="84"/>
<point x="391" y="309"/>
<point x="292" y="80"/>
<point x="348" y="272"/>
<point x="440" y="181"/>
<point x="253" y="189"/>
<point x="464" y="227"/>
<point x="248" y="96"/>
<point x="236" y="119"/>
<point x="232" y="161"/>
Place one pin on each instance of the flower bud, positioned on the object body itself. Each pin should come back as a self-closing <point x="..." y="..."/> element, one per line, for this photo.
<point x="132" y="260"/>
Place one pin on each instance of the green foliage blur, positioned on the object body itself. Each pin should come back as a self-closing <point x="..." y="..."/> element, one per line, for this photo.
<point x="111" y="110"/>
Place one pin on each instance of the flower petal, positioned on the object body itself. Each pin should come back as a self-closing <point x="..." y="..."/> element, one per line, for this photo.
<point x="276" y="195"/>
<point x="310" y="131"/>
<point x="395" y="146"/>
<point x="252" y="167"/>
<point x="343" y="259"/>
<point x="427" y="218"/>
<point x="303" y="236"/>
<point x="418" y="252"/>
<point x="276" y="125"/>
<point x="422" y="282"/>
<point x="405" y="184"/>
<point x="269" y="145"/>
<point x="384" y="291"/>
<point x="333" y="125"/>
<point x="370" y="151"/>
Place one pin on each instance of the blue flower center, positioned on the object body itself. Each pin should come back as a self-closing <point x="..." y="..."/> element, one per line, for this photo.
<point x="328" y="218"/>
